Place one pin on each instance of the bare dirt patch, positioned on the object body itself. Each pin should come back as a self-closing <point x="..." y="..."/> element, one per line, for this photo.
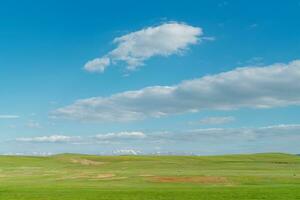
<point x="89" y="176"/>
<point x="194" y="179"/>
<point x="146" y="175"/>
<point x="103" y="176"/>
<point x="107" y="177"/>
<point x="3" y="175"/>
<point x="86" y="162"/>
<point x="110" y="178"/>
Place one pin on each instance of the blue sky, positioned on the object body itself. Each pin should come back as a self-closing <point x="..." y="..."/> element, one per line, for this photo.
<point x="165" y="46"/>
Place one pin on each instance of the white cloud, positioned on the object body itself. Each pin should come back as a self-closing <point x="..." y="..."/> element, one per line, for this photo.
<point x="9" y="116"/>
<point x="121" y="135"/>
<point x="28" y="154"/>
<point x="136" y="47"/>
<point x="126" y="152"/>
<point x="215" y="120"/>
<point x="97" y="65"/>
<point x="249" y="87"/>
<point x="49" y="139"/>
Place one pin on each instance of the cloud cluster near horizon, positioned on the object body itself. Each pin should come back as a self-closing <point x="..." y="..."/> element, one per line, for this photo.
<point x="222" y="135"/>
<point x="136" y="47"/>
<point x="270" y="86"/>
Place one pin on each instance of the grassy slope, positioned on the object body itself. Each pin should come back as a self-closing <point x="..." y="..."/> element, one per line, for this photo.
<point x="72" y="177"/>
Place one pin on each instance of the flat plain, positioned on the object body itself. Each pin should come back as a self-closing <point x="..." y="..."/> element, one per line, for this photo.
<point x="273" y="176"/>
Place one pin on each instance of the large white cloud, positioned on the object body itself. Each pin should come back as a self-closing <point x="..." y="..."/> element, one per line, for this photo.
<point x="136" y="47"/>
<point x="249" y="87"/>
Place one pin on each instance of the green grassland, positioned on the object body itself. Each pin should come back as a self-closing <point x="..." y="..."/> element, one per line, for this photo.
<point x="86" y="177"/>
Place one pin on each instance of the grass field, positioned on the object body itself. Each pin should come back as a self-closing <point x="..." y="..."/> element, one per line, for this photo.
<point x="85" y="177"/>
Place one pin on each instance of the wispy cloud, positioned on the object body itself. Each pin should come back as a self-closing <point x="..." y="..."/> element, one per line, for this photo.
<point x="253" y="26"/>
<point x="214" y="120"/>
<point x="136" y="47"/>
<point x="248" y="134"/>
<point x="33" y="125"/>
<point x="9" y="116"/>
<point x="254" y="61"/>
<point x="223" y="3"/>
<point x="49" y="139"/>
<point x="27" y="154"/>
<point x="106" y="138"/>
<point x="121" y="135"/>
<point x="249" y="87"/>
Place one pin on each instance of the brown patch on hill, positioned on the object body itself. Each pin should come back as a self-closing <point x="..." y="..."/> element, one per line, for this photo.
<point x="193" y="179"/>
<point x="107" y="176"/>
<point x="86" y="162"/>
<point x="103" y="176"/>
<point x="146" y="175"/>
